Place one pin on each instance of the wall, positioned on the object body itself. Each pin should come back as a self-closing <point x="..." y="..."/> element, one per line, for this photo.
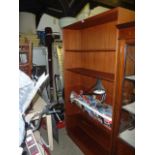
<point x="27" y="22"/>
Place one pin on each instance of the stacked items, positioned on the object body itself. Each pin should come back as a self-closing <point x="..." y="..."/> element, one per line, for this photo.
<point x="95" y="109"/>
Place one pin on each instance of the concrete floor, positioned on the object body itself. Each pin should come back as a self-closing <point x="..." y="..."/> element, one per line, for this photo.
<point x="65" y="146"/>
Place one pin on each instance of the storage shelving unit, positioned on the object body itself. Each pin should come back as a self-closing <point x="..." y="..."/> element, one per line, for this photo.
<point x="93" y="73"/>
<point x="90" y="53"/>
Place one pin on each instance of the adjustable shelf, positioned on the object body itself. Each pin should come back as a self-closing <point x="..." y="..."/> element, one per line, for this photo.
<point x="90" y="50"/>
<point x="95" y="111"/>
<point x="93" y="73"/>
<point x="130" y="107"/>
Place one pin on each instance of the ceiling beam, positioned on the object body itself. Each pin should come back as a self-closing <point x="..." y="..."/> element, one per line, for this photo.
<point x="77" y="7"/>
<point x="71" y="3"/>
<point x="65" y="6"/>
<point x="130" y="4"/>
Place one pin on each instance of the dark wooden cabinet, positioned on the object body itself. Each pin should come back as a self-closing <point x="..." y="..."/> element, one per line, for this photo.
<point x="90" y="53"/>
<point x="125" y="100"/>
<point x="123" y="148"/>
<point x="25" y="58"/>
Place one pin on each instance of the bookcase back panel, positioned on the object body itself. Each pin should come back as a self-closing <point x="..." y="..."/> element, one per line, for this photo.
<point x="72" y="39"/>
<point x="125" y="15"/>
<point x="99" y="61"/>
<point x="73" y="59"/>
<point x="100" y="37"/>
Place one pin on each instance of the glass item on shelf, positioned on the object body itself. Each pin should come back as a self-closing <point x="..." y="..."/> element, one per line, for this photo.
<point x="100" y="90"/>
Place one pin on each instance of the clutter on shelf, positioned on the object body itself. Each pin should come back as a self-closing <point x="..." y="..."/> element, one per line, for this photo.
<point x="90" y="104"/>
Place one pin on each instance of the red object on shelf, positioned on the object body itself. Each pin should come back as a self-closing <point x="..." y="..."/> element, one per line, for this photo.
<point x="60" y="124"/>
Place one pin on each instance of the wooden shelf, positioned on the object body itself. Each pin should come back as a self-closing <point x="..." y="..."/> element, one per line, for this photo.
<point x="130" y="107"/>
<point x="93" y="73"/>
<point x="95" y="111"/>
<point x="107" y="129"/>
<point x="98" y="136"/>
<point x="128" y="136"/>
<point x="107" y="16"/>
<point x="85" y="142"/>
<point x="95" y="123"/>
<point x="90" y="50"/>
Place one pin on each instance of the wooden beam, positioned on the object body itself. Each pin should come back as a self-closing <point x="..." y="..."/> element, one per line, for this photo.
<point x="65" y="6"/>
<point x="76" y="7"/>
<point x="110" y="3"/>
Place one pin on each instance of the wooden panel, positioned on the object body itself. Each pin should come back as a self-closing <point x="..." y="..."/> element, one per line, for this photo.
<point x="128" y="92"/>
<point x="71" y="121"/>
<point x="99" y="61"/>
<point x="104" y="17"/>
<point x="126" y="25"/>
<point x="72" y="60"/>
<point x="86" y="131"/>
<point x="93" y="73"/>
<point x="72" y="39"/>
<point x="97" y="134"/>
<point x="85" y="142"/>
<point x="128" y="89"/>
<point x="100" y="37"/>
<point x="126" y="30"/>
<point x="90" y="50"/>
<point x="72" y="83"/>
<point x="128" y="33"/>
<point x="119" y="14"/>
<point x="130" y="60"/>
<point x="125" y="15"/>
<point x="124" y="149"/>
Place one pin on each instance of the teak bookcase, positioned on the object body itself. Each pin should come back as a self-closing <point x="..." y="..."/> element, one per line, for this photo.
<point x="90" y="52"/>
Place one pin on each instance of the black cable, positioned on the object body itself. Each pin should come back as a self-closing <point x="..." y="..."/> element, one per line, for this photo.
<point x="45" y="111"/>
